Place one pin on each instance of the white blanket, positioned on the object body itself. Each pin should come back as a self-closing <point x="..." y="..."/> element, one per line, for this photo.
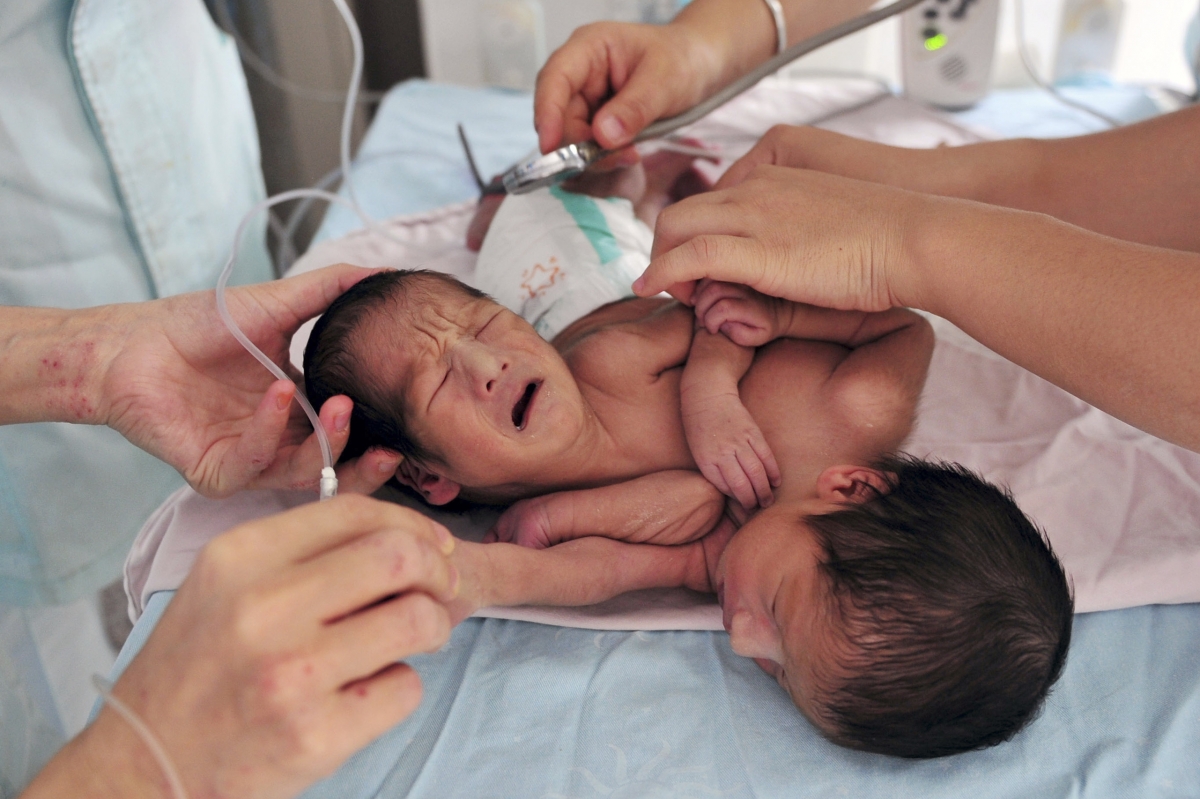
<point x="1122" y="508"/>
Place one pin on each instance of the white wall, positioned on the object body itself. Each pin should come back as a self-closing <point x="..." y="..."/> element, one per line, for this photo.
<point x="1150" y="48"/>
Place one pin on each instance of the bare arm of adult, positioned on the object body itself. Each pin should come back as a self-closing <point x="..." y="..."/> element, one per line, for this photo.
<point x="1139" y="182"/>
<point x="1113" y="322"/>
<point x="169" y="377"/>
<point x="278" y="658"/>
<point x="654" y="71"/>
<point x="669" y="507"/>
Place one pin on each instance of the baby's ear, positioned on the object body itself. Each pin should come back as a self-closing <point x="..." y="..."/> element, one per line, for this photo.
<point x="436" y="489"/>
<point x="852" y="484"/>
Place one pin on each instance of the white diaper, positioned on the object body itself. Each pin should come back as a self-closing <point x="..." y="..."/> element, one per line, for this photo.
<point x="553" y="257"/>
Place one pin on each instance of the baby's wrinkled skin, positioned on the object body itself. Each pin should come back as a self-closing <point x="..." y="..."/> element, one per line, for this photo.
<point x="588" y="433"/>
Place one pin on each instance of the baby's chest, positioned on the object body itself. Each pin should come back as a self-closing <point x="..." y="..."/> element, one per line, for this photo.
<point x="642" y="414"/>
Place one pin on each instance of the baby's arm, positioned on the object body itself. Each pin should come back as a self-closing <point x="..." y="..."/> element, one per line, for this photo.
<point x="880" y="379"/>
<point x="581" y="572"/>
<point x="671" y="507"/>
<point x="726" y="443"/>
<point x="752" y="319"/>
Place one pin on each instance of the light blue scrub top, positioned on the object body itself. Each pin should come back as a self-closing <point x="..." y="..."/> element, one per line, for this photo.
<point x="128" y="154"/>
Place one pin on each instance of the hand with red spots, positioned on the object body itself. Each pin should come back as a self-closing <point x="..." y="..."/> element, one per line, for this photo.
<point x="170" y="377"/>
<point x="279" y="657"/>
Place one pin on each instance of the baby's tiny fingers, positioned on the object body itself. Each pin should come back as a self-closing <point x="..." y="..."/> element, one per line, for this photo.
<point x="767" y="458"/>
<point x="757" y="475"/>
<point x="739" y="485"/>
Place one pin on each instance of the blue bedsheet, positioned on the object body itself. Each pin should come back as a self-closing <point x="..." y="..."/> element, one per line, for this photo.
<point x="514" y="709"/>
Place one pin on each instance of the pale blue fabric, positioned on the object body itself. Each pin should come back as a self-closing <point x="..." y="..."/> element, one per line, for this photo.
<point x="513" y="709"/>
<point x="411" y="160"/>
<point x="128" y="154"/>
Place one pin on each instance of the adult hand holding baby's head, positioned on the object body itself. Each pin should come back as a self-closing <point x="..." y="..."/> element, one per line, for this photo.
<point x="176" y="383"/>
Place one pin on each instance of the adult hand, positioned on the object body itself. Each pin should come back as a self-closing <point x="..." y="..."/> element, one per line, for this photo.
<point x="179" y="386"/>
<point x="610" y="80"/>
<point x="791" y="233"/>
<point x="278" y="658"/>
<point x="939" y="170"/>
<point x="648" y="71"/>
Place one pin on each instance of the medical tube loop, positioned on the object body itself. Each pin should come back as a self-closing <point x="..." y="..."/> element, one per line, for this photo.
<point x="328" y="480"/>
<point x="104" y="688"/>
<point x="260" y="356"/>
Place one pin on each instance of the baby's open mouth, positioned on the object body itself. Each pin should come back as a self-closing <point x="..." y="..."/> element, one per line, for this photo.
<point x="521" y="409"/>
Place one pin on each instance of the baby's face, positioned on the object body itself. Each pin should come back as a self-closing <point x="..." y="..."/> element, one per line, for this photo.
<point x="774" y="599"/>
<point x="483" y="392"/>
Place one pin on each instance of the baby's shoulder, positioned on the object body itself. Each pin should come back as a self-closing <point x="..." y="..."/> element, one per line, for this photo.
<point x="616" y="318"/>
<point x="623" y="340"/>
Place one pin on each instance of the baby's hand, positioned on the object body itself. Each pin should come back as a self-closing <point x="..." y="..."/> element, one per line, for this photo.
<point x="745" y="317"/>
<point x="526" y="524"/>
<point x="730" y="450"/>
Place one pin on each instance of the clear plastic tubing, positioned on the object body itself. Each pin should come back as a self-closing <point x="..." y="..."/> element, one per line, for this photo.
<point x="328" y="485"/>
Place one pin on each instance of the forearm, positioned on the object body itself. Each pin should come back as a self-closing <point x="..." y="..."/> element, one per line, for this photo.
<point x="852" y="329"/>
<point x="51" y="364"/>
<point x="105" y="760"/>
<point x="671" y="507"/>
<point x="1117" y="324"/>
<point x="1139" y="183"/>
<point x="575" y="573"/>
<point x="742" y="32"/>
<point x="715" y="366"/>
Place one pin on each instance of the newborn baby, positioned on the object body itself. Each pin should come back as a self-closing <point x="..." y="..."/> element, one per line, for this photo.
<point x="908" y="608"/>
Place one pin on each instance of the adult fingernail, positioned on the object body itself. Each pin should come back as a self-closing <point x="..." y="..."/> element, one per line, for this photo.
<point x="341" y="422"/>
<point x="282" y="401"/>
<point x="388" y="465"/>
<point x="638" y="284"/>
<point x="613" y="130"/>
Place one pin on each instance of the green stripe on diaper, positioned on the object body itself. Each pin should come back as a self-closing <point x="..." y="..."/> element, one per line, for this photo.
<point x="591" y="221"/>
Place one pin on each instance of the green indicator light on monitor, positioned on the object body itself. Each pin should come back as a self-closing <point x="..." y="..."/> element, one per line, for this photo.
<point x="935" y="42"/>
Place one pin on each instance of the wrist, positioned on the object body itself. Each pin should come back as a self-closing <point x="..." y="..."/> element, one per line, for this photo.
<point x="107" y="759"/>
<point x="947" y="245"/>
<point x="54" y="363"/>
<point x="96" y="338"/>
<point x="1012" y="173"/>
<point x="724" y="51"/>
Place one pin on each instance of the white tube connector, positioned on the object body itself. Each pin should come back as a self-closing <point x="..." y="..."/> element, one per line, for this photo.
<point x="328" y="483"/>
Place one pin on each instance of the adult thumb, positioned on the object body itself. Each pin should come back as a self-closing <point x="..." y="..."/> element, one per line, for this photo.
<point x="641" y="101"/>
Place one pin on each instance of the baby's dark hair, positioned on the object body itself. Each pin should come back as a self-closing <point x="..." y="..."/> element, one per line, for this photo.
<point x="954" y="614"/>
<point x="331" y="367"/>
